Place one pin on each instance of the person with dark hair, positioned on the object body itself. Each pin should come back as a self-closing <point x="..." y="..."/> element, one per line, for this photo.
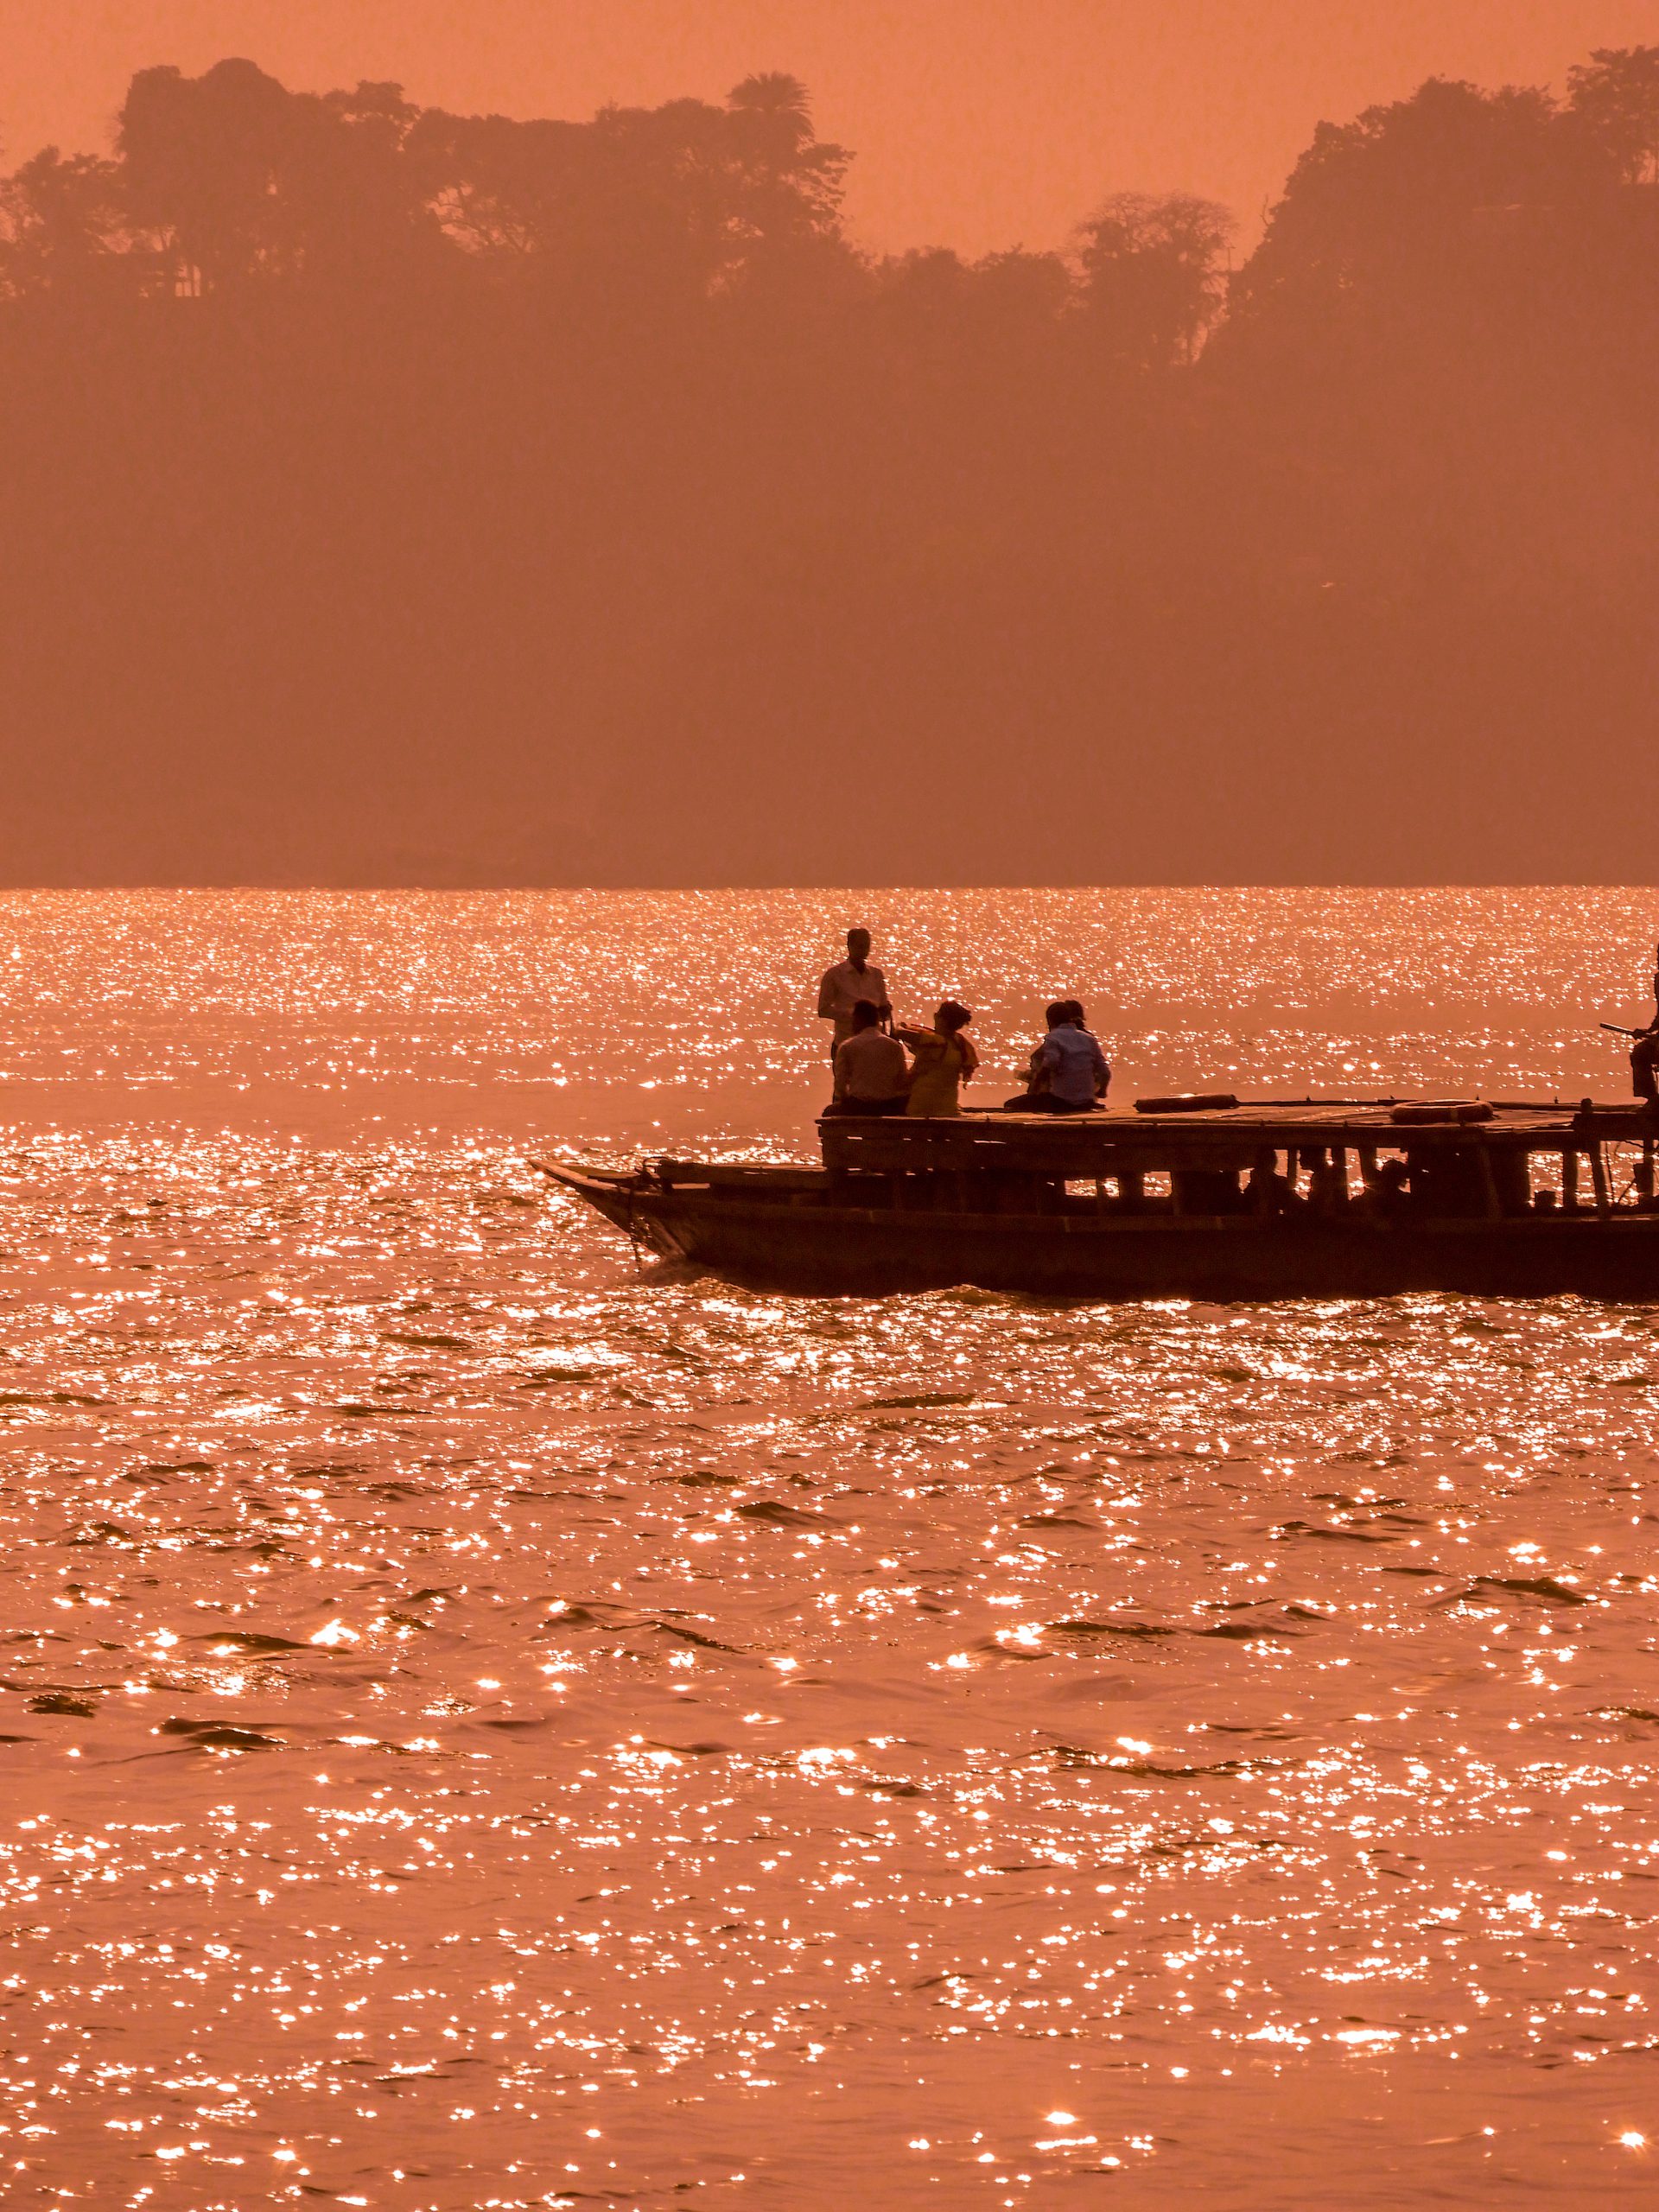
<point x="1387" y="1194"/>
<point x="1030" y="1100"/>
<point x="871" y="1074"/>
<point x="1056" y="1014"/>
<point x="1327" y="1187"/>
<point x="945" y="1060"/>
<point x="1069" y="1065"/>
<point x="855" y="981"/>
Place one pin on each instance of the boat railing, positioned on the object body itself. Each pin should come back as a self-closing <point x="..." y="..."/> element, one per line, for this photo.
<point x="1465" y="1158"/>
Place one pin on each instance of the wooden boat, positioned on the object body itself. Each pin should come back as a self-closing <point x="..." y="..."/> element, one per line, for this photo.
<point x="1505" y="1200"/>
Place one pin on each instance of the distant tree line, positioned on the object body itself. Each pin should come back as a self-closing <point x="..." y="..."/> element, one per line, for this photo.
<point x="394" y="496"/>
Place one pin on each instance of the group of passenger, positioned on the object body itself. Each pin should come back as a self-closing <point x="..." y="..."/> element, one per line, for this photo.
<point x="886" y="1066"/>
<point x="1314" y="1182"/>
<point x="1269" y="1190"/>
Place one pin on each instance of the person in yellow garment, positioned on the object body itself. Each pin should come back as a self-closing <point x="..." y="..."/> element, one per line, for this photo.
<point x="944" y="1060"/>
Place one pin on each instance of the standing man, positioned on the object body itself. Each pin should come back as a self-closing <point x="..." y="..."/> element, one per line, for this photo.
<point x="852" y="982"/>
<point x="1644" y="1053"/>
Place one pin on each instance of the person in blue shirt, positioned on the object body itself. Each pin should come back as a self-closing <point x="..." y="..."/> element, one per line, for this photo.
<point x="1069" y="1073"/>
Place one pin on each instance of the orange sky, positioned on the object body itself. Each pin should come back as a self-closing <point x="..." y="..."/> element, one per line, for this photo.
<point x="977" y="124"/>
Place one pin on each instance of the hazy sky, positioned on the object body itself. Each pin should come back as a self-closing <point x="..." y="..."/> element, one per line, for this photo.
<point x="977" y="124"/>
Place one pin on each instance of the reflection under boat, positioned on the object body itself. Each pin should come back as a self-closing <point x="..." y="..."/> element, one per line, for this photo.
<point x="1516" y="1199"/>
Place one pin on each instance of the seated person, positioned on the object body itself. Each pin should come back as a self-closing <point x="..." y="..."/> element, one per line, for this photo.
<point x="1447" y="1185"/>
<point x="1068" y="1065"/>
<point x="1267" y="1191"/>
<point x="872" y="1075"/>
<point x="1207" y="1191"/>
<point x="1327" y="1188"/>
<point x="1036" y="1073"/>
<point x="1388" y="1194"/>
<point x="945" y="1059"/>
<point x="1644" y="1055"/>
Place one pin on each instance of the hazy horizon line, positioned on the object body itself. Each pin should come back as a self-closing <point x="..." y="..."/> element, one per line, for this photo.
<point x="876" y="890"/>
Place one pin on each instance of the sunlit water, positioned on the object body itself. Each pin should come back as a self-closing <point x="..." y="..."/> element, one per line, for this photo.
<point x="484" y="1725"/>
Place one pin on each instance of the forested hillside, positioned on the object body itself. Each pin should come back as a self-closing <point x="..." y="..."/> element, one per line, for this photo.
<point x="394" y="496"/>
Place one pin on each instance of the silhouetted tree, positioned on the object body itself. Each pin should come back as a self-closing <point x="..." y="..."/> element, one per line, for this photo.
<point x="672" y="203"/>
<point x="395" y="495"/>
<point x="245" y="181"/>
<point x="1616" y="94"/>
<point x="204" y="162"/>
<point x="64" y="227"/>
<point x="793" y="182"/>
<point x="1153" y="272"/>
<point x="1398" y="213"/>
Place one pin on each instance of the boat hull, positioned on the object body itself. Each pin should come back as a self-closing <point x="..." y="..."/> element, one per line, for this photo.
<point x="823" y="1249"/>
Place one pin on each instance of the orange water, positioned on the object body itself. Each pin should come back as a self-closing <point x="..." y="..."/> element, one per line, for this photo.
<point x="486" y="1726"/>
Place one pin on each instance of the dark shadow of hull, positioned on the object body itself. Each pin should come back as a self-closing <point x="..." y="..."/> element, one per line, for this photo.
<point x="840" y="1251"/>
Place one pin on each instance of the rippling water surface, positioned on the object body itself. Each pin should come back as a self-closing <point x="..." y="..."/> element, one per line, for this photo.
<point x="483" y="1726"/>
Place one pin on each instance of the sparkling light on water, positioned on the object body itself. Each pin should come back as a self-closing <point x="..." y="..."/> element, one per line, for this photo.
<point x="483" y="1726"/>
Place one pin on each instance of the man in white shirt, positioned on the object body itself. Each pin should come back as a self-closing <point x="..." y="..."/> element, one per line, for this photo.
<point x="871" y="1074"/>
<point x="853" y="982"/>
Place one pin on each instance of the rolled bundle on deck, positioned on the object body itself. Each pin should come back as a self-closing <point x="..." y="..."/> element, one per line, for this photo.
<point x="1189" y="1102"/>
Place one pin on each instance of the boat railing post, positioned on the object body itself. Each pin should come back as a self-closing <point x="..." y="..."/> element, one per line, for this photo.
<point x="1599" y="1181"/>
<point x="1584" y="1120"/>
<point x="1569" y="1179"/>
<point x="1262" y="1206"/>
<point x="1489" y="1192"/>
